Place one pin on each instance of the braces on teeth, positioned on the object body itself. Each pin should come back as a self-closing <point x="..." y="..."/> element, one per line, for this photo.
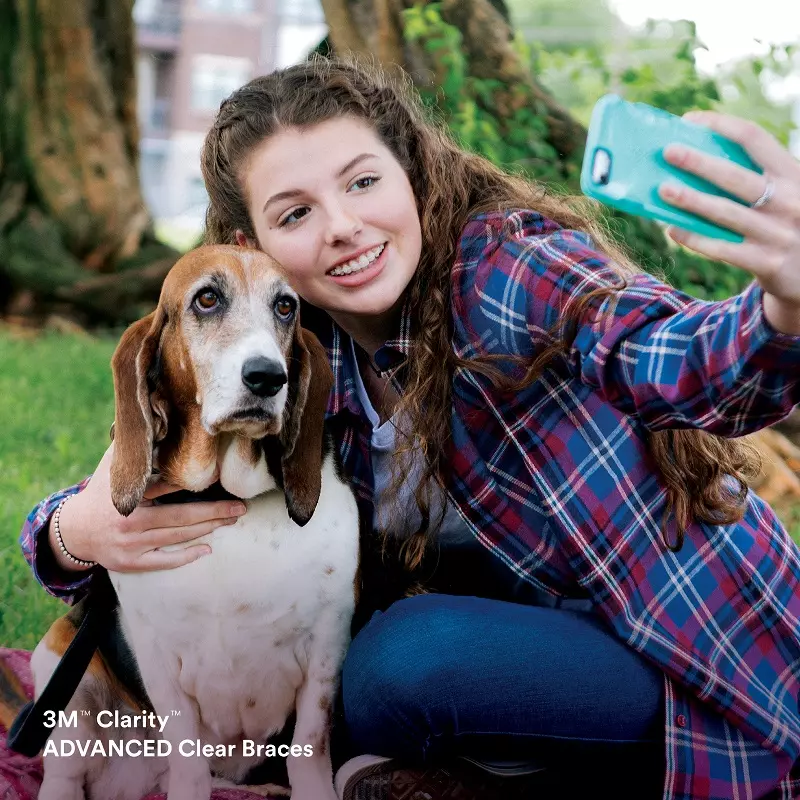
<point x="356" y="265"/>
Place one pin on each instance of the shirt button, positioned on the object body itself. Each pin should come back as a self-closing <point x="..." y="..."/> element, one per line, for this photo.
<point x="681" y="720"/>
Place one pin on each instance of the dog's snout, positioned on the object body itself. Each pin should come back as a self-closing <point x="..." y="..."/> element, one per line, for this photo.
<point x="263" y="377"/>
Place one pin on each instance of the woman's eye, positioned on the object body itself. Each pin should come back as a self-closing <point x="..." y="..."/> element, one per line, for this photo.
<point x="285" y="307"/>
<point x="294" y="216"/>
<point x="206" y="300"/>
<point x="366" y="182"/>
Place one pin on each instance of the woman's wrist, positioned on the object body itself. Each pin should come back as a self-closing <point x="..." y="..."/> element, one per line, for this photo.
<point x="67" y="552"/>
<point x="782" y="317"/>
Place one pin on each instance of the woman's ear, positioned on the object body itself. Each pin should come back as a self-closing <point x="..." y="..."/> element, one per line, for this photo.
<point x="243" y="241"/>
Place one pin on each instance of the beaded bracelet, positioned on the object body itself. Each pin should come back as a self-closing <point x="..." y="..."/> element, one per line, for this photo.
<point x="60" y="542"/>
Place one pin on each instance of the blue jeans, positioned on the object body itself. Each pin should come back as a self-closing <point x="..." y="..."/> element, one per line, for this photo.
<point x="437" y="676"/>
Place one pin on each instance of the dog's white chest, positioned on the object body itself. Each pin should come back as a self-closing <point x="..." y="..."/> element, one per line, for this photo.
<point x="238" y="623"/>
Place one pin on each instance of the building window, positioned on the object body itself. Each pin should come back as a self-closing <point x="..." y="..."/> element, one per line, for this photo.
<point x="227" y="6"/>
<point x="216" y="77"/>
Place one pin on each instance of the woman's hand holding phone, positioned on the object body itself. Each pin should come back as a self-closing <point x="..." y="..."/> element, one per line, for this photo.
<point x="770" y="223"/>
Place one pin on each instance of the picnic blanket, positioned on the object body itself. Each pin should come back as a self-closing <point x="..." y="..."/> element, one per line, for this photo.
<point x="21" y="777"/>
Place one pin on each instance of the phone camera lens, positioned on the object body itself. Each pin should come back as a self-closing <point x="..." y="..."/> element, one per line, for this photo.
<point x="601" y="166"/>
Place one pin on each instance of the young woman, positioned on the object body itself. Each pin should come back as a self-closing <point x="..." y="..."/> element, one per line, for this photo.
<point x="553" y="424"/>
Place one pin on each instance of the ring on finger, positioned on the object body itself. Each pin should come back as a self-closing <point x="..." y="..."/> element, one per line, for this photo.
<point x="766" y="196"/>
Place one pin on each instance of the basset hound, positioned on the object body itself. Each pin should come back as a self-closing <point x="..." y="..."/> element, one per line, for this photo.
<point x="220" y="385"/>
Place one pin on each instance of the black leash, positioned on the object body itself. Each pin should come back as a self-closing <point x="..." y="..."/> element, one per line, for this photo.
<point x="28" y="734"/>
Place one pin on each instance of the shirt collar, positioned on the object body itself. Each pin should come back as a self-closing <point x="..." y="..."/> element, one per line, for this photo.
<point x="388" y="357"/>
<point x="395" y="351"/>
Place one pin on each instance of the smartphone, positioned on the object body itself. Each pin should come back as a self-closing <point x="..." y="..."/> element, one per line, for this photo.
<point x="624" y="165"/>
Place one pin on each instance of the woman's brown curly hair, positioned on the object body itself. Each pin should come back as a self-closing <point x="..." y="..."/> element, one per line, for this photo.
<point x="450" y="185"/>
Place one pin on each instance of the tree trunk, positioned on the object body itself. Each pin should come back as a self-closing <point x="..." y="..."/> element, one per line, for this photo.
<point x="73" y="222"/>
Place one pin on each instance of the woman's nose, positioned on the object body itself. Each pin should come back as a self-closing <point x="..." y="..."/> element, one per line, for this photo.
<point x="342" y="225"/>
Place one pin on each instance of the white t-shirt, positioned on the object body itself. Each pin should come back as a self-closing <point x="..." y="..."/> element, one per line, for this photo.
<point x="402" y="518"/>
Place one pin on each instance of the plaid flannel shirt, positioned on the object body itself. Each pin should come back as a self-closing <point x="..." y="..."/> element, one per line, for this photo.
<point x="556" y="482"/>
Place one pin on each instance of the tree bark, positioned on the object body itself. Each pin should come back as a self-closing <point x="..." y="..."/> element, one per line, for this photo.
<point x="488" y="45"/>
<point x="71" y="208"/>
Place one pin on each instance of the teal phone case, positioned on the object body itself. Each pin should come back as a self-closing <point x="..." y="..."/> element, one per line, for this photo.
<point x="630" y="138"/>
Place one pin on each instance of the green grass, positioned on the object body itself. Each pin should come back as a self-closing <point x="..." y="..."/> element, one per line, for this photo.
<point x="56" y="406"/>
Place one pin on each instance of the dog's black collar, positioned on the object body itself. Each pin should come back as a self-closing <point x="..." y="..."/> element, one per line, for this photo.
<point x="214" y="492"/>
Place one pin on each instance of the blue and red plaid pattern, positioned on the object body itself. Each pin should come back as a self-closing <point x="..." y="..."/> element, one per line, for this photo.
<point x="556" y="482"/>
<point x="68" y="586"/>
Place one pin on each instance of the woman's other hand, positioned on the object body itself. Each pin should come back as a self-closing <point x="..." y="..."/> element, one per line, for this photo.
<point x="771" y="227"/>
<point x="93" y="530"/>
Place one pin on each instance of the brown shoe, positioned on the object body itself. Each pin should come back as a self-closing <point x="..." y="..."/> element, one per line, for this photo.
<point x="376" y="778"/>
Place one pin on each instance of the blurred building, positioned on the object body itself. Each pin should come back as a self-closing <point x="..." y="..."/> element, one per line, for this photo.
<point x="191" y="55"/>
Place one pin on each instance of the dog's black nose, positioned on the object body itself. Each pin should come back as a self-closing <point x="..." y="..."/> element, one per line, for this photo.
<point x="262" y="376"/>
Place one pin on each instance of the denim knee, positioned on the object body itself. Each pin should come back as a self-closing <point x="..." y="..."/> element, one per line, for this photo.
<point x="440" y="674"/>
<point x="393" y="671"/>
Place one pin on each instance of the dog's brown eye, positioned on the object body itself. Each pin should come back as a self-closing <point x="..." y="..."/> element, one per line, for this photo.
<point x="285" y="307"/>
<point x="206" y="300"/>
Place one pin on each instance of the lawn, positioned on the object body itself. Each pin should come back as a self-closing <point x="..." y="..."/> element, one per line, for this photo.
<point x="56" y="406"/>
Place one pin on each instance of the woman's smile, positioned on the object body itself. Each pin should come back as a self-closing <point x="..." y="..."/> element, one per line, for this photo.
<point x="361" y="268"/>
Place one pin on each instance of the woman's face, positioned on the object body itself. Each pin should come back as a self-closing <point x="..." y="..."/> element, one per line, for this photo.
<point x="335" y="208"/>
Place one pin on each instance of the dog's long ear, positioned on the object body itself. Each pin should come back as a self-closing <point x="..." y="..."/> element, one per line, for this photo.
<point x="310" y="382"/>
<point x="132" y="461"/>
